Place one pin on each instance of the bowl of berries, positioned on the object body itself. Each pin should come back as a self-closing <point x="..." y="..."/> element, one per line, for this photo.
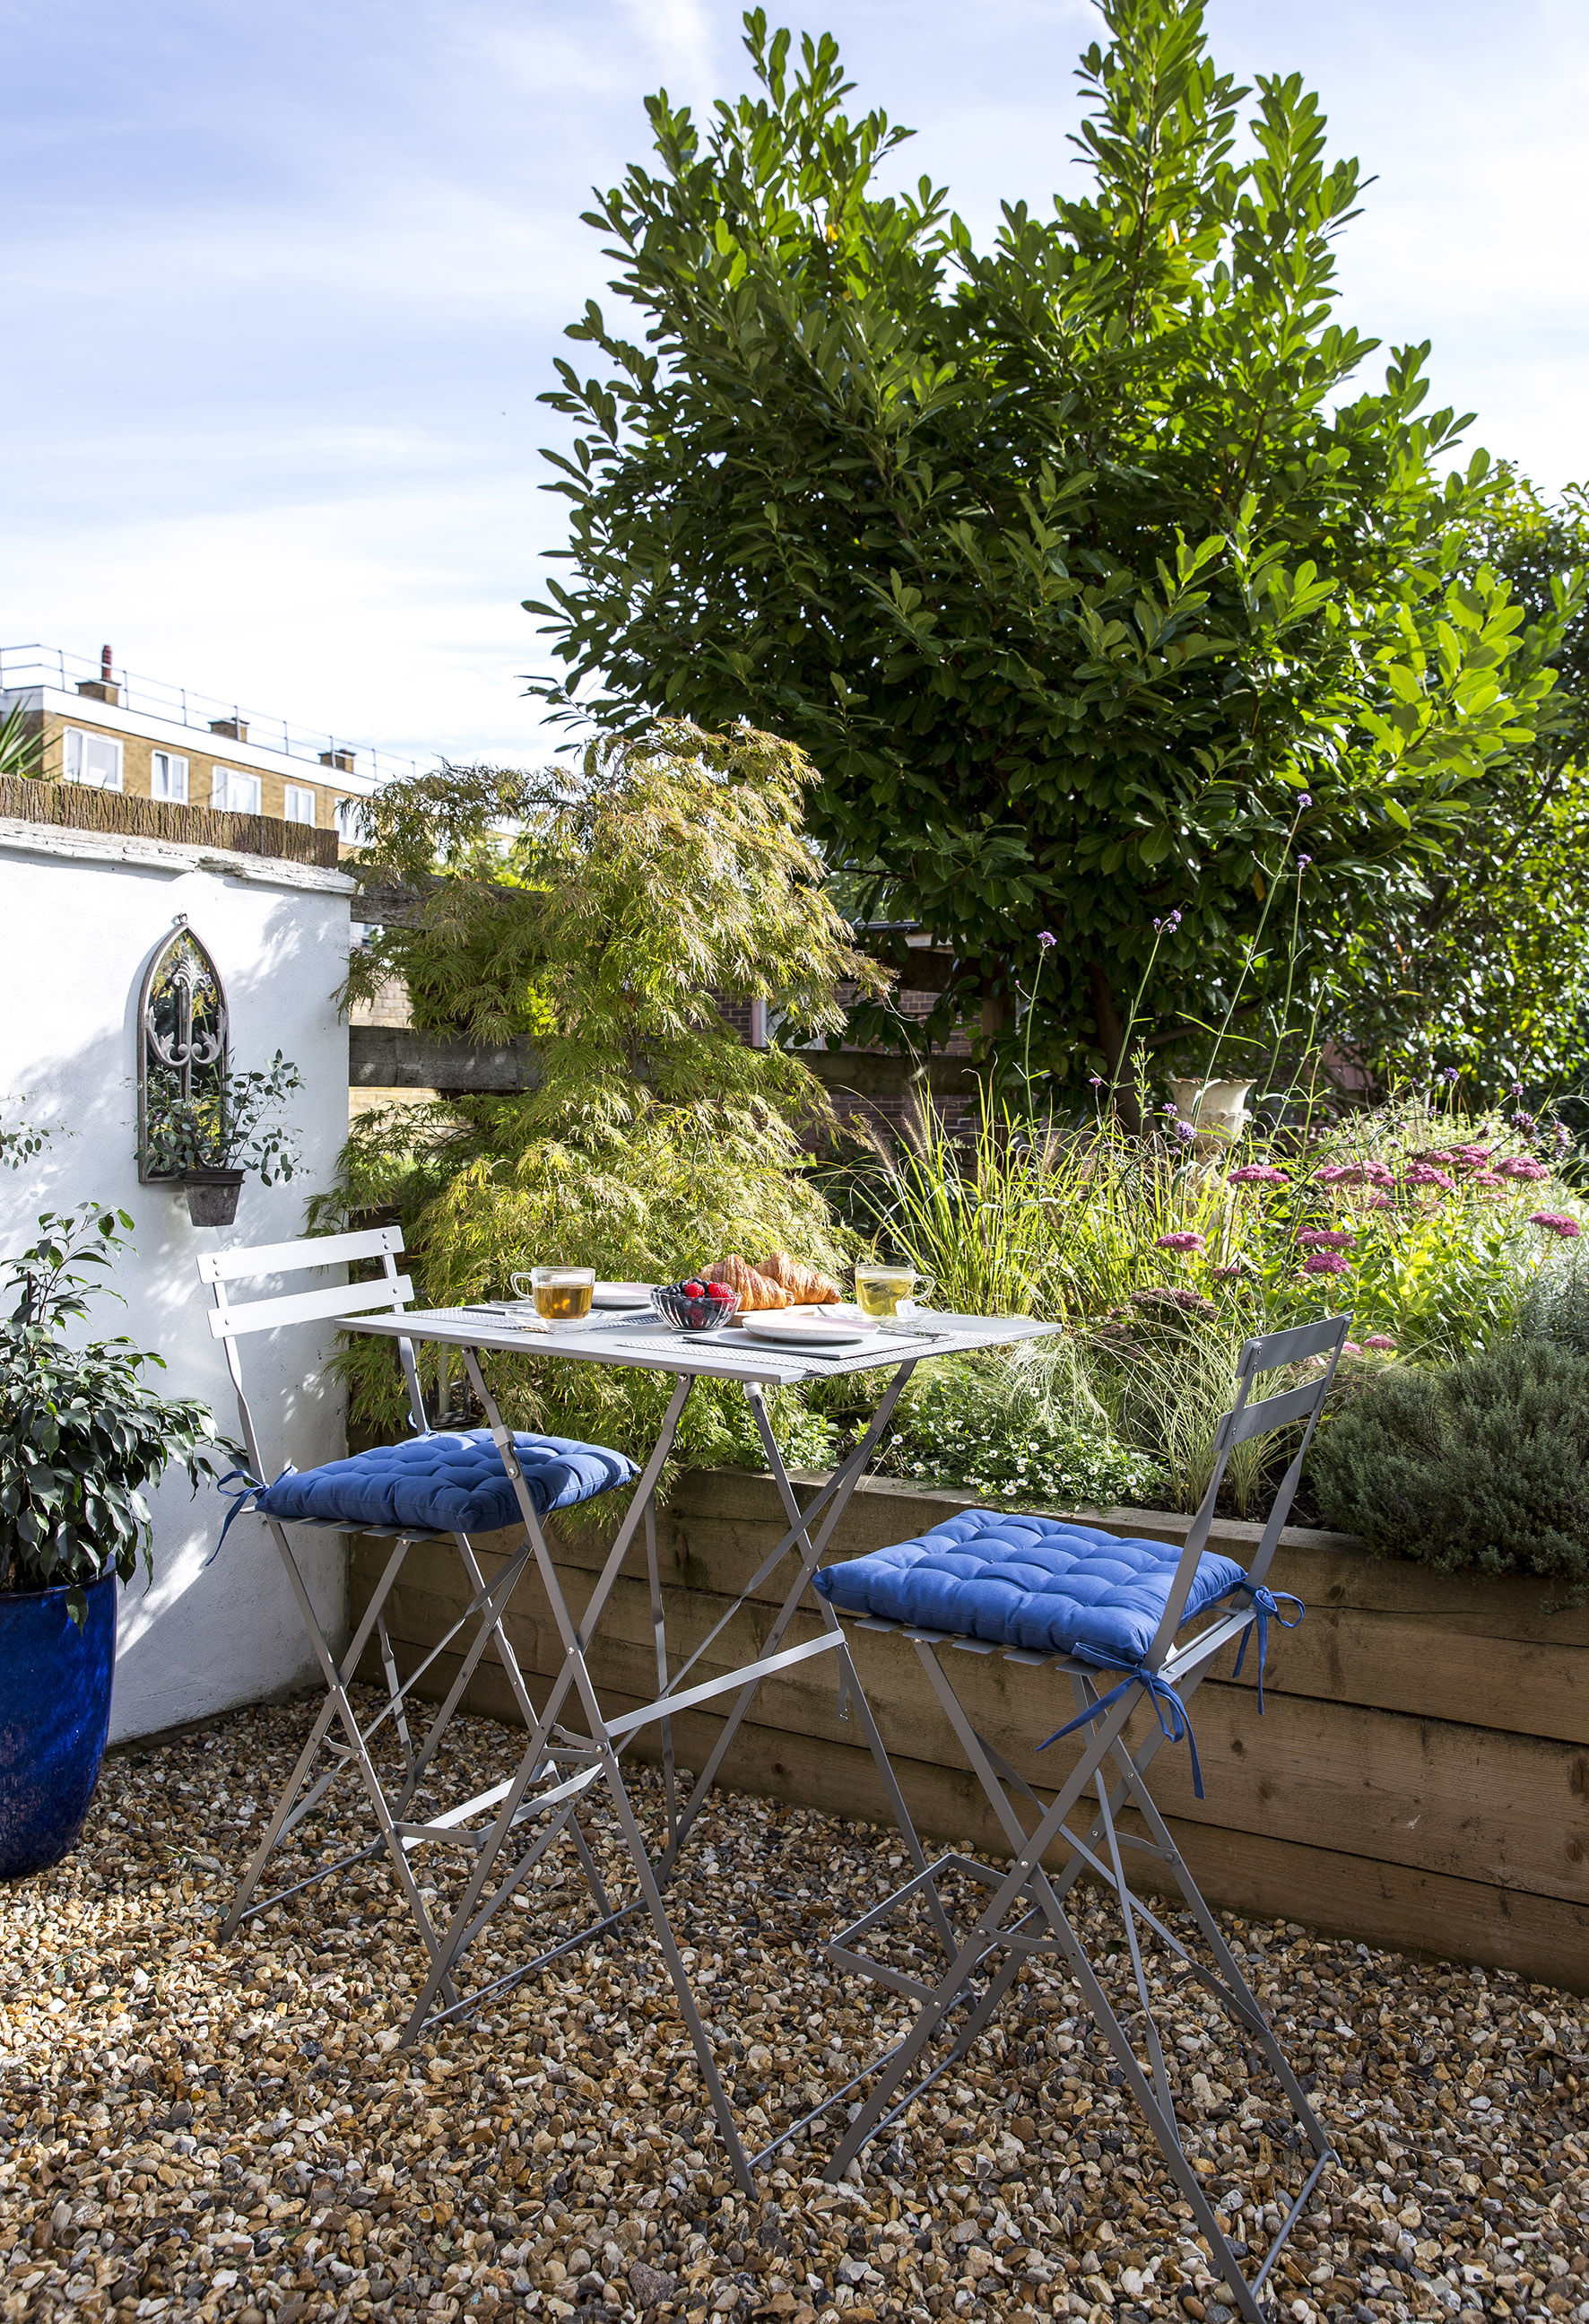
<point x="695" y="1306"/>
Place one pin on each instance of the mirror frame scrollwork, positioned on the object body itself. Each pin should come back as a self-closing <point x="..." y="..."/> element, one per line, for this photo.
<point x="186" y="1047"/>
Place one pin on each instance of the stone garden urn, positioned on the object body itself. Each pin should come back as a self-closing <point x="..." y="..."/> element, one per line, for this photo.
<point x="1216" y="1110"/>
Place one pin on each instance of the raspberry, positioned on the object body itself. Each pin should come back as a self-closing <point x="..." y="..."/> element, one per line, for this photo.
<point x="692" y="1290"/>
<point x="719" y="1292"/>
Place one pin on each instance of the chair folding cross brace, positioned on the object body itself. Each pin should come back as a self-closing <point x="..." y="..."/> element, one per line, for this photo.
<point x="1105" y="1613"/>
<point x="367" y="1496"/>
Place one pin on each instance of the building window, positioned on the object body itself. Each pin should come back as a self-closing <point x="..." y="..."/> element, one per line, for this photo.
<point x="350" y="822"/>
<point x="231" y="792"/>
<point x="92" y="759"/>
<point x="299" y="803"/>
<point x="168" y="777"/>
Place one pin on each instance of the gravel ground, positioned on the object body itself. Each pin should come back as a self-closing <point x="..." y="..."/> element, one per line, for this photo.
<point x="188" y="2129"/>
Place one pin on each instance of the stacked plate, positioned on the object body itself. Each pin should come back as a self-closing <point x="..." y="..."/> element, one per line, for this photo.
<point x="834" y="1327"/>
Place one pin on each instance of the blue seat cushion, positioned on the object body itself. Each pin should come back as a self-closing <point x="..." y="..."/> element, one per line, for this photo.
<point x="452" y="1482"/>
<point x="1043" y="1583"/>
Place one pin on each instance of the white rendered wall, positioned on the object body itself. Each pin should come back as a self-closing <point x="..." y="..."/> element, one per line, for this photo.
<point x="80" y="915"/>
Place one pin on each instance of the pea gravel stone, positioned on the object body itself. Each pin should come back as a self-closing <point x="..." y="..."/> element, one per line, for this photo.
<point x="191" y="2130"/>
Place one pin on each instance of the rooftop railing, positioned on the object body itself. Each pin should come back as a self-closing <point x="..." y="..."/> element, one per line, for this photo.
<point x="37" y="665"/>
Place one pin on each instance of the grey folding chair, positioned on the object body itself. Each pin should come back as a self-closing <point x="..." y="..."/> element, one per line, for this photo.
<point x="336" y="1499"/>
<point x="1108" y="1613"/>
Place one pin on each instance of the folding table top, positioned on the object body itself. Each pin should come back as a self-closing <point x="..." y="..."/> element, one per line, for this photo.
<point x="646" y="1342"/>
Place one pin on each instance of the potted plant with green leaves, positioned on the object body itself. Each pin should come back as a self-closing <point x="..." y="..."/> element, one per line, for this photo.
<point x="213" y="1136"/>
<point x="83" y="1435"/>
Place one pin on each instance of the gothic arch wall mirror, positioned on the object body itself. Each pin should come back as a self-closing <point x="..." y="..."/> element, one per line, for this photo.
<point x="181" y="1033"/>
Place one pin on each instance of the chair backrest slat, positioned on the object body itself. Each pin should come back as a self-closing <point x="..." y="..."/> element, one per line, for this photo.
<point x="233" y="1320"/>
<point x="1273" y="1411"/>
<point x="308" y="1306"/>
<point x="287" y="1258"/>
<point x="1243" y="1421"/>
<point x="1295" y="1346"/>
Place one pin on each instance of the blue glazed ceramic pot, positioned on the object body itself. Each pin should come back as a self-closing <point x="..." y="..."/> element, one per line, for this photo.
<point x="55" y="1685"/>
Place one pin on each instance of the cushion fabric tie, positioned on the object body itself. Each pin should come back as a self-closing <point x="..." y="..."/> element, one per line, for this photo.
<point x="1265" y="1603"/>
<point x="244" y="1498"/>
<point x="1174" y="1720"/>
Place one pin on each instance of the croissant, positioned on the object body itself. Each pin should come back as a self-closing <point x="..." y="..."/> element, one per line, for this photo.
<point x="804" y="1286"/>
<point x="755" y="1291"/>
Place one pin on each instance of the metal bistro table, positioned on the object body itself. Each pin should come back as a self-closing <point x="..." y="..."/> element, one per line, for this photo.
<point x="561" y="1763"/>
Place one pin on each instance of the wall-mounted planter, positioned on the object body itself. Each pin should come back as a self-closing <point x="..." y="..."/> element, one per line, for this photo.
<point x="212" y="1197"/>
<point x="55" y="1682"/>
<point x="1420" y="1780"/>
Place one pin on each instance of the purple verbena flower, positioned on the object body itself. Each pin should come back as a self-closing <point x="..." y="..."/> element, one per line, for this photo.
<point x="1303" y="861"/>
<point x="1523" y="1124"/>
<point x="1304" y="798"/>
<point x="1046" y="937"/>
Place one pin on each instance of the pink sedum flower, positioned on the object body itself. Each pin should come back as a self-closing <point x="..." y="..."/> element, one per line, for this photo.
<point x="1556" y="1222"/>
<point x="1326" y="1262"/>
<point x="1327" y="1237"/>
<point x="1258" y="1174"/>
<point x="1424" y="1174"/>
<point x="1350" y="1348"/>
<point x="1186" y="1241"/>
<point x="1354" y="1174"/>
<point x="1379" y="1344"/>
<point x="1376" y="1203"/>
<point x="1521" y="1166"/>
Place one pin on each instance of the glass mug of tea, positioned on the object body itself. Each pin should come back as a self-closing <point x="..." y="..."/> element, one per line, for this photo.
<point x="883" y="1293"/>
<point x="562" y="1294"/>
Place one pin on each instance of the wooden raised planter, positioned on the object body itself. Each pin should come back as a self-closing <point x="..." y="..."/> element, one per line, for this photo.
<point x="1420" y="1780"/>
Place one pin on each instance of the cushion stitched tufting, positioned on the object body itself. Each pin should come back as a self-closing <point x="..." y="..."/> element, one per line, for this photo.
<point x="1038" y="1582"/>
<point x="452" y="1482"/>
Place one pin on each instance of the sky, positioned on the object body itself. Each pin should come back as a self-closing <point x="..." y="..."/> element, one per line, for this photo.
<point x="284" y="283"/>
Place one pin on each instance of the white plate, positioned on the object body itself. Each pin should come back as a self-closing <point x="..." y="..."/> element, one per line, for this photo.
<point x="621" y="1295"/>
<point x="809" y="1327"/>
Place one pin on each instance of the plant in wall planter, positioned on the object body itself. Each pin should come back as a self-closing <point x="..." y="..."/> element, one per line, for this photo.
<point x="82" y="1436"/>
<point x="214" y="1135"/>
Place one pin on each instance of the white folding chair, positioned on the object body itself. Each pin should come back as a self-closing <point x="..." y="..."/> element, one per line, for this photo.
<point x="1047" y="1599"/>
<point x="398" y="1833"/>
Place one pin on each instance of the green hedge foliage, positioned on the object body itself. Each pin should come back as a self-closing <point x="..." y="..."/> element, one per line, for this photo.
<point x="1483" y="1467"/>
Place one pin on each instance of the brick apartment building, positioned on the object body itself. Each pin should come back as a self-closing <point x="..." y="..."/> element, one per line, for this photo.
<point x="102" y="726"/>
